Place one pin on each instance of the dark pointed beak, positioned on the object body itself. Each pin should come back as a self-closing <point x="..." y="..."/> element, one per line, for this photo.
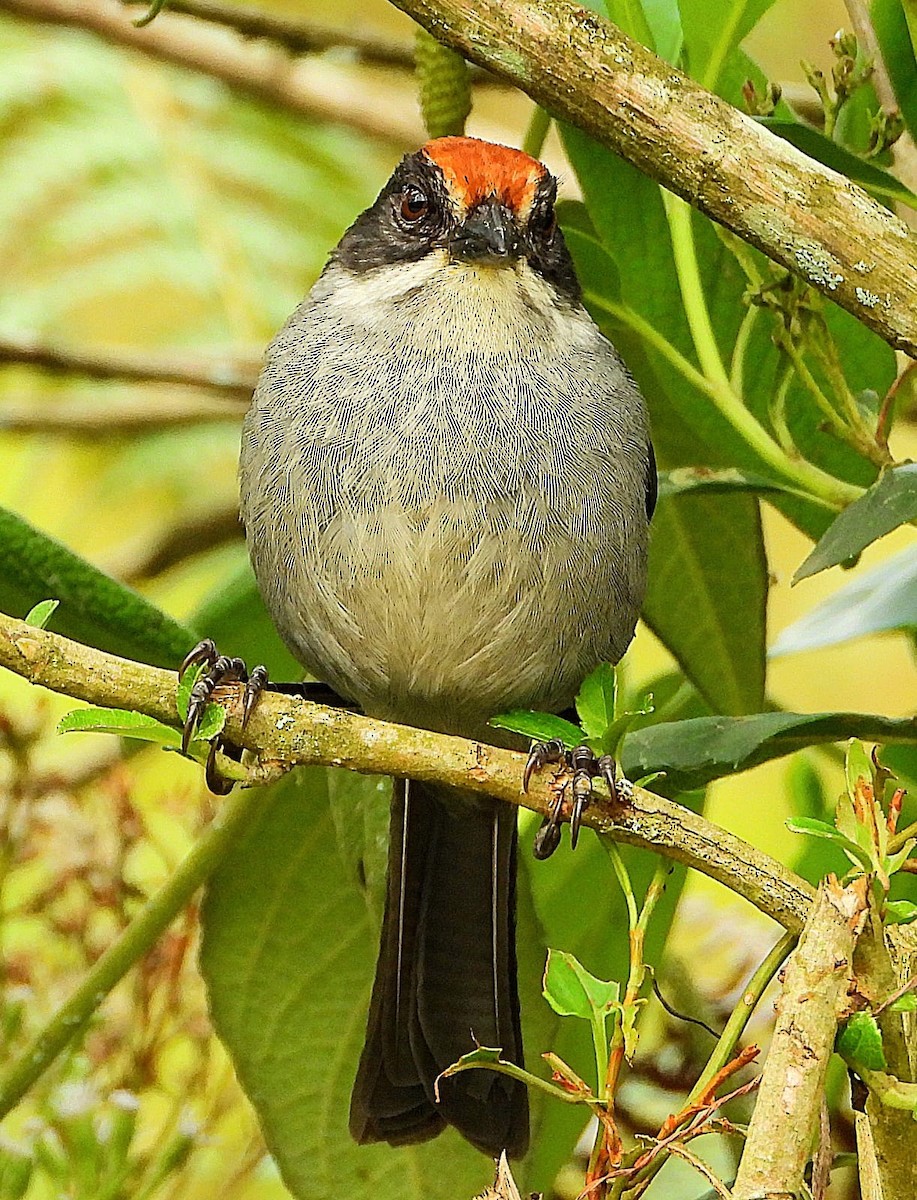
<point x="489" y="235"/>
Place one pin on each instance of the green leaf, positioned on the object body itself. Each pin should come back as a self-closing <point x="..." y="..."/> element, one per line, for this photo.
<point x="905" y="1003"/>
<point x="540" y="727"/>
<point x="707" y="594"/>
<point x="595" y="702"/>
<point x="288" y="957"/>
<point x="879" y="183"/>
<point x="94" y="608"/>
<point x="573" y="992"/>
<point x="696" y="751"/>
<point x="859" y="1042"/>
<point x="821" y="829"/>
<point x="876" y="601"/>
<point x="890" y="502"/>
<point x="711" y="38"/>
<point x="122" y="722"/>
<point x="902" y="912"/>
<point x="41" y="614"/>
<point x="857" y="766"/>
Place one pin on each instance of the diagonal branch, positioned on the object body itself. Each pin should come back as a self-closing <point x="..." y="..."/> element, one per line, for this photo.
<point x="584" y="70"/>
<point x="311" y="87"/>
<point x="286" y="731"/>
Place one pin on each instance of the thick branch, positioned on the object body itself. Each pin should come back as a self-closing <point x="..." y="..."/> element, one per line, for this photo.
<point x="285" y="731"/>
<point x="229" y="377"/>
<point x="814" y="996"/>
<point x="584" y="70"/>
<point x="311" y="87"/>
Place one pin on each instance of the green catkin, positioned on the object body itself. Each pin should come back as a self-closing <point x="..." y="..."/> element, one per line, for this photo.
<point x="444" y="86"/>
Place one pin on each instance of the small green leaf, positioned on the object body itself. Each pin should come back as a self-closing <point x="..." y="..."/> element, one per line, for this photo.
<point x="573" y="992"/>
<point x="41" y="614"/>
<point x="859" y="1043"/>
<point x="629" y="1014"/>
<point x="900" y="912"/>
<point x="482" y="1056"/>
<point x="890" y="502"/>
<point x="894" y="862"/>
<point x="857" y="766"/>
<point x="595" y="702"/>
<point x="211" y="724"/>
<point x="122" y="722"/>
<point x="821" y="829"/>
<point x="540" y="727"/>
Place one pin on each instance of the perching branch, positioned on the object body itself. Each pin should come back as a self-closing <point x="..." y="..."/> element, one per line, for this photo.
<point x="311" y="87"/>
<point x="584" y="70"/>
<point x="231" y="378"/>
<point x="285" y="731"/>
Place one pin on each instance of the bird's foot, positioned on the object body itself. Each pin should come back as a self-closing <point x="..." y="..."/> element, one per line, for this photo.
<point x="218" y="669"/>
<point x="585" y="767"/>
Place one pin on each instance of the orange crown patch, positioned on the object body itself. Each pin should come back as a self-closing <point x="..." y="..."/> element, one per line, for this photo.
<point x="475" y="170"/>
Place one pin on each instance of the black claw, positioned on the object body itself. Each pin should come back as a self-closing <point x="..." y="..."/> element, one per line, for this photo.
<point x="540" y="755"/>
<point x="214" y="780"/>
<point x="547" y="839"/>
<point x="204" y="653"/>
<point x="254" y="687"/>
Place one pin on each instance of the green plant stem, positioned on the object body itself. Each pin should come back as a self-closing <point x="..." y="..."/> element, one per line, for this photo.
<point x="897" y="841"/>
<point x="537" y="132"/>
<point x="777" y="409"/>
<point x="725" y="1048"/>
<point x="818" y="485"/>
<point x="737" y="365"/>
<point x="678" y="216"/>
<point x="152" y="920"/>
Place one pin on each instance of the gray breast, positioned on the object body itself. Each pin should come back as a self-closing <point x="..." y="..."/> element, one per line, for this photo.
<point x="444" y="531"/>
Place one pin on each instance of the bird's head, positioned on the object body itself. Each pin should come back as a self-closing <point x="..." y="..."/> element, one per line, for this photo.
<point x="468" y="203"/>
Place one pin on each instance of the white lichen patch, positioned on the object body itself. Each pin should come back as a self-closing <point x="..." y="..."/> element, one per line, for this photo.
<point x="866" y="298"/>
<point x="817" y="265"/>
<point x="864" y="267"/>
<point x="284" y="721"/>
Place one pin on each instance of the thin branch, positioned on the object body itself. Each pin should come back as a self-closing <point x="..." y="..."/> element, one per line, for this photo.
<point x="285" y="731"/>
<point x="299" y="37"/>
<point x="307" y="37"/>
<point x="800" y="213"/>
<point x="186" y="536"/>
<point x="311" y="87"/>
<point x="230" y="377"/>
<point x="118" y="417"/>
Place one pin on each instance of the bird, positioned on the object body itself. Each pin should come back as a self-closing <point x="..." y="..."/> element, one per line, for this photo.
<point x="446" y="480"/>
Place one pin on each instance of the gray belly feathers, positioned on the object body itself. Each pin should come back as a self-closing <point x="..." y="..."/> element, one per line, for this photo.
<point x="443" y="532"/>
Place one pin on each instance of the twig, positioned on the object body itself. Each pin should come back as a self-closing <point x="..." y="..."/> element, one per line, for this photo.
<point x="800" y="213"/>
<point x="306" y="37"/>
<point x="701" y="1167"/>
<point x="299" y="37"/>
<point x="116" y="417"/>
<point x="312" y="87"/>
<point x="235" y="378"/>
<point x="187" y="536"/>
<point x="285" y="731"/>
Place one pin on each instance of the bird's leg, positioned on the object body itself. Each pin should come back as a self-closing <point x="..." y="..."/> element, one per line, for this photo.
<point x="585" y="767"/>
<point x="220" y="669"/>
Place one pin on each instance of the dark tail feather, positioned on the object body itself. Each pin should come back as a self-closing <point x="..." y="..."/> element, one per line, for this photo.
<point x="446" y="977"/>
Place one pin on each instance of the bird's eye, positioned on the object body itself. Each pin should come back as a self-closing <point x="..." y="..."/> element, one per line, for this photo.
<point x="414" y="205"/>
<point x="548" y="223"/>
